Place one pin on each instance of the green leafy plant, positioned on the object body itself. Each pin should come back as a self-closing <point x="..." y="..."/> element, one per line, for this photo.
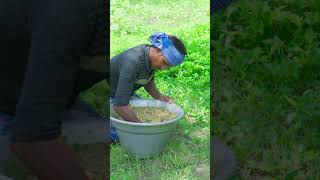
<point x="267" y="87"/>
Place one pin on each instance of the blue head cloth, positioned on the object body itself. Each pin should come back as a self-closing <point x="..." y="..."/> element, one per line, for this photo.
<point x="171" y="53"/>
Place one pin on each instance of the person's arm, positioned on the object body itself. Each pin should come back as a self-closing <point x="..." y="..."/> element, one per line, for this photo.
<point x="152" y="89"/>
<point x="126" y="113"/>
<point x="57" y="34"/>
<point x="128" y="73"/>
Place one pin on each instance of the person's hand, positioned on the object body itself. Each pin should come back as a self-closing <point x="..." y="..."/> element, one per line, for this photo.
<point x="126" y="113"/>
<point x="166" y="99"/>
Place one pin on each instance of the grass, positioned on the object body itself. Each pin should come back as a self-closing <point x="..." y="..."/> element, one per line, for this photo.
<point x="132" y="22"/>
<point x="267" y="86"/>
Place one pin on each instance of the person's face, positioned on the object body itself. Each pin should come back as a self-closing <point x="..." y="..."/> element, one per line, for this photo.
<point x="158" y="61"/>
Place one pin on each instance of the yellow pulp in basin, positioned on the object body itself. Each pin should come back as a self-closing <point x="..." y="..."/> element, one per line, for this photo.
<point x="151" y="114"/>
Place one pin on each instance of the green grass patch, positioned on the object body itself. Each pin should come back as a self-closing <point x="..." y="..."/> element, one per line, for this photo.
<point x="267" y="86"/>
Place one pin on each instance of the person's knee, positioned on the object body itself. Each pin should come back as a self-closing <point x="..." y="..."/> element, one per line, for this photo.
<point x="83" y="126"/>
<point x="223" y="160"/>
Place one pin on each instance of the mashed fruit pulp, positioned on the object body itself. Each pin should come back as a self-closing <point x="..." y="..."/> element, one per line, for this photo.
<point x="153" y="114"/>
<point x="150" y="114"/>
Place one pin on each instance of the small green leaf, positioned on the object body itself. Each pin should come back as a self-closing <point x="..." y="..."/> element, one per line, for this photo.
<point x="291" y="101"/>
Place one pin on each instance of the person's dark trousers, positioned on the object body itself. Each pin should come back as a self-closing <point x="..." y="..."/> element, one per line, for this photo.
<point x="223" y="162"/>
<point x="83" y="113"/>
<point x="81" y="124"/>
